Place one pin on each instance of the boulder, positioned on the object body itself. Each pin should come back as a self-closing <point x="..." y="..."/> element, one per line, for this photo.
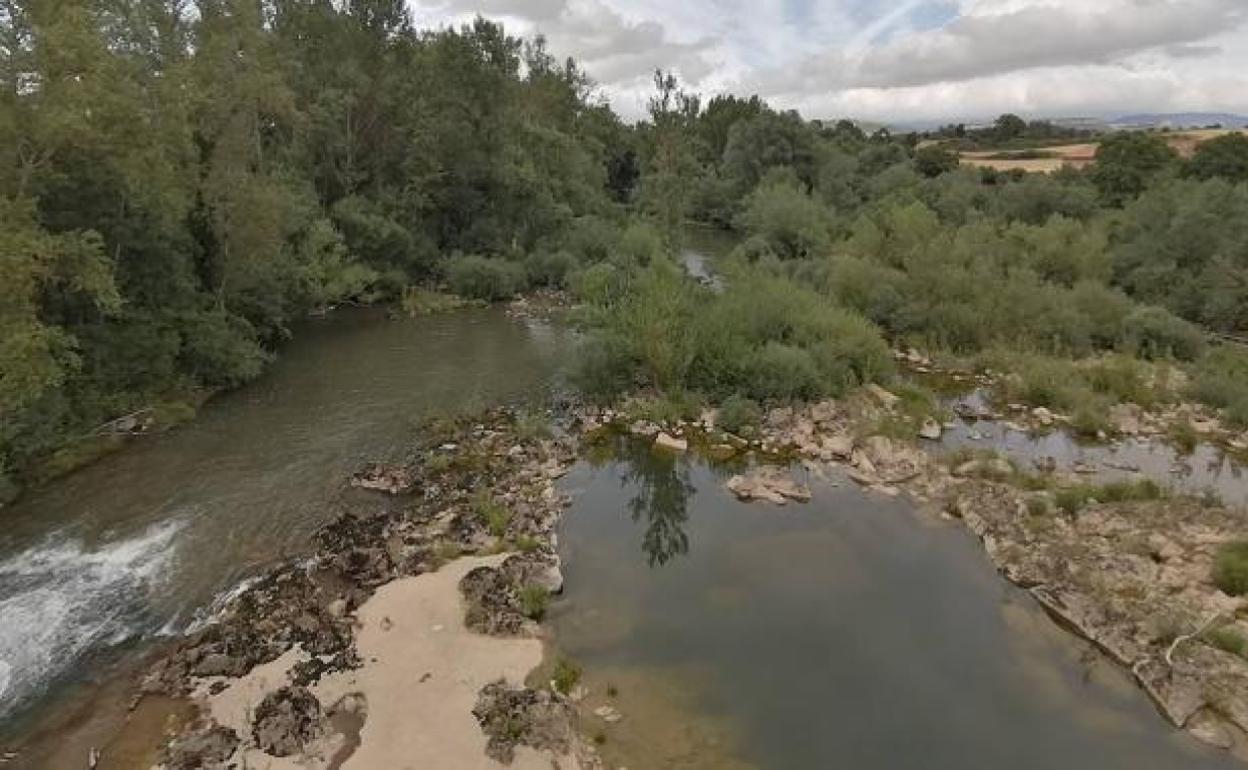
<point x="772" y="485"/>
<point x="930" y="430"/>
<point x="287" y="721"/>
<point x="886" y="399"/>
<point x="671" y="443"/>
<point x="839" y="447"/>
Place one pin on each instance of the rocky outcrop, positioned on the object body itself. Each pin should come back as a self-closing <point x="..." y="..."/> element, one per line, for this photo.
<point x="769" y="484"/>
<point x="203" y="747"/>
<point x="310" y="604"/>
<point x="287" y="722"/>
<point x="512" y="717"/>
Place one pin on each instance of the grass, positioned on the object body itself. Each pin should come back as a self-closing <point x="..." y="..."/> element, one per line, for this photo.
<point x="534" y="599"/>
<point x="739" y="415"/>
<point x="527" y="544"/>
<point x="419" y="301"/>
<point x="533" y="426"/>
<point x="1071" y="500"/>
<point x="1230" y="568"/>
<point x="565" y="676"/>
<point x="1227" y="640"/>
<point x="1183" y="436"/>
<point x="492" y="513"/>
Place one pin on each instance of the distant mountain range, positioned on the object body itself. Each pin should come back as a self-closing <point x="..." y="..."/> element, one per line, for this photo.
<point x="1141" y="120"/>
<point x="1181" y="120"/>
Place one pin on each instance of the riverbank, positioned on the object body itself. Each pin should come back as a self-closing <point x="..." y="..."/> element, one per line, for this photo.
<point x="1132" y="571"/>
<point x="318" y="656"/>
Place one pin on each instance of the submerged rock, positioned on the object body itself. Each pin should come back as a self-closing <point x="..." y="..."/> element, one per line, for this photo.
<point x="671" y="443"/>
<point x="381" y="477"/>
<point x="930" y="430"/>
<point x="769" y="484"/>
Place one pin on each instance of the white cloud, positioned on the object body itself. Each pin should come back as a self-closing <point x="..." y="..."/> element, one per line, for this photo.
<point x="901" y="59"/>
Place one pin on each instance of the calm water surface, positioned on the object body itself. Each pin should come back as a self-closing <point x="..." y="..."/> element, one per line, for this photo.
<point x="846" y="633"/>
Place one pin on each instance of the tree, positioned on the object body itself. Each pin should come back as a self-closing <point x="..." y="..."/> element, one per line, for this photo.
<point x="1009" y="126"/>
<point x="934" y="160"/>
<point x="672" y="167"/>
<point x="1128" y="162"/>
<point x="1225" y="157"/>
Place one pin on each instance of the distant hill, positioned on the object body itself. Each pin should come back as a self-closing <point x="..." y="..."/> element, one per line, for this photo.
<point x="1181" y="120"/>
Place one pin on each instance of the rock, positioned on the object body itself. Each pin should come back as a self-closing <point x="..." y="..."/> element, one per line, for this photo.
<point x="1162" y="548"/>
<point x="287" y="721"/>
<point x="644" y="428"/>
<point x="1042" y="416"/>
<point x="671" y="443"/>
<point x="381" y="477"/>
<point x="1210" y="730"/>
<point x="886" y="399"/>
<point x="839" y="447"/>
<point x="768" y="484"/>
<point x="337" y="608"/>
<point x="219" y="664"/>
<point x="204" y="748"/>
<point x="608" y="714"/>
<point x="930" y="430"/>
<point x="1125" y="419"/>
<point x="512" y="717"/>
<point x="992" y="467"/>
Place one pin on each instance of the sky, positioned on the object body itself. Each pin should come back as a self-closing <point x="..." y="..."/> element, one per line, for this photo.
<point x="899" y="60"/>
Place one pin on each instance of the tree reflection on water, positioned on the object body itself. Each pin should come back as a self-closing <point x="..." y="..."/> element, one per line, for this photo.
<point x="661" y="500"/>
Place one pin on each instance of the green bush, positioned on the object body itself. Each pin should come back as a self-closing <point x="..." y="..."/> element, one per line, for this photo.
<point x="782" y="372"/>
<point x="1230" y="568"/>
<point x="1227" y="640"/>
<point x="549" y="268"/>
<point x="738" y="414"/>
<point x="534" y="599"/>
<point x="476" y="277"/>
<point x="1220" y="379"/>
<point x="1153" y="332"/>
<point x="493" y="514"/>
<point x="566" y="675"/>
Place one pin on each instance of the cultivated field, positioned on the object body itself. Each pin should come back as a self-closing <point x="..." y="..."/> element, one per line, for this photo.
<point x="1076" y="155"/>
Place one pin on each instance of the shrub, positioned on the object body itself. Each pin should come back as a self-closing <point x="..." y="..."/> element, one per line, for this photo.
<point x="1230" y="568"/>
<point x="604" y="367"/>
<point x="492" y="513"/>
<point x="477" y="277"/>
<point x="1184" y="436"/>
<point x="1072" y="499"/>
<point x="1220" y="380"/>
<point x="1227" y="640"/>
<point x="549" y="268"/>
<point x="1153" y="332"/>
<point x="784" y="372"/>
<point x="534" y="599"/>
<point x="738" y="414"/>
<point x="566" y="675"/>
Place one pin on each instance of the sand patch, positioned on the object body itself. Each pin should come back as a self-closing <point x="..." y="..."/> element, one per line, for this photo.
<point x="422" y="671"/>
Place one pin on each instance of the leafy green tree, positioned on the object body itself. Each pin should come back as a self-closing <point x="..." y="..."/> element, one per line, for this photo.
<point x="1128" y="162"/>
<point x="934" y="160"/>
<point x="1224" y="157"/>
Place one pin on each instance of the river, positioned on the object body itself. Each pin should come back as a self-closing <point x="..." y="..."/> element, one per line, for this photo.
<point x="849" y="632"/>
<point x="137" y="545"/>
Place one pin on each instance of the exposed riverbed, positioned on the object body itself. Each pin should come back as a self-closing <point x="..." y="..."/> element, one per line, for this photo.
<point x="140" y="543"/>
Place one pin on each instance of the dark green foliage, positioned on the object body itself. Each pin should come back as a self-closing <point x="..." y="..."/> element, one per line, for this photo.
<point x="566" y="675"/>
<point x="1127" y="162"/>
<point x="1230" y="568"/>
<point x="935" y="160"/>
<point x="1224" y="157"/>
<point x="1220" y="379"/>
<point x="185" y="181"/>
<point x="739" y="415"/>
<point x="490" y="279"/>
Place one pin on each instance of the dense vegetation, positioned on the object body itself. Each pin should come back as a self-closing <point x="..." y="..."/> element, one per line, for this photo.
<point x="183" y="180"/>
<point x="848" y="240"/>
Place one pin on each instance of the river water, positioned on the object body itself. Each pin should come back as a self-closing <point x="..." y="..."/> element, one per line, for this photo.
<point x="846" y="633"/>
<point x="140" y="543"/>
<point x="849" y="632"/>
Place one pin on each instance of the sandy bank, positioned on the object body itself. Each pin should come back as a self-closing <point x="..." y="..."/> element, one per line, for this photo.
<point x="421" y="673"/>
